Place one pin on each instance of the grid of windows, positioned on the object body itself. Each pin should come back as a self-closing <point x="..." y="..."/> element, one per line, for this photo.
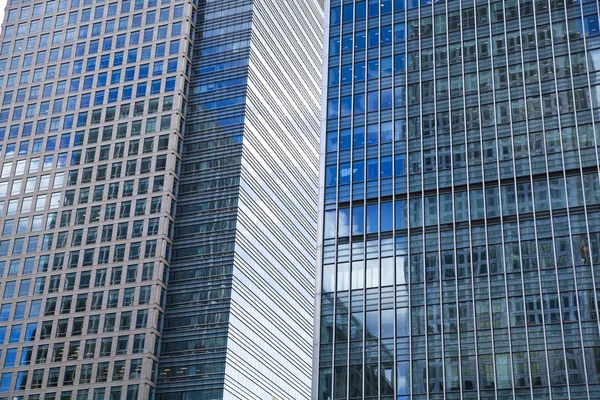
<point x="90" y="107"/>
<point x="460" y="250"/>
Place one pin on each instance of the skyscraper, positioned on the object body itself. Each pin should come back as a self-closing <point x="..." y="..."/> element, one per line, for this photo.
<point x="459" y="246"/>
<point x="158" y="192"/>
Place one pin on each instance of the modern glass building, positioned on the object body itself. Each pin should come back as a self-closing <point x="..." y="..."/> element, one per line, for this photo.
<point x="158" y="192"/>
<point x="459" y="249"/>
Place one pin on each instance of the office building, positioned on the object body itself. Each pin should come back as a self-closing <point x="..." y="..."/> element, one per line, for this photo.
<point x="158" y="191"/>
<point x="459" y="245"/>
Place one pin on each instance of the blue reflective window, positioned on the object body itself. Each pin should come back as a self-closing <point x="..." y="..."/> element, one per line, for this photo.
<point x="358" y="171"/>
<point x="107" y="44"/>
<point x="113" y="95"/>
<point x="102" y="79"/>
<point x="358" y="224"/>
<point x="77" y="66"/>
<point x="83" y="32"/>
<point x="332" y="142"/>
<point x="30" y="332"/>
<point x="343" y="228"/>
<point x="5" y="382"/>
<point x="61" y="87"/>
<point x="90" y="65"/>
<point x="372" y="168"/>
<point x="88" y="82"/>
<point x="386" y="66"/>
<point x="359" y="103"/>
<point x="158" y="68"/>
<point x="174" y="47"/>
<point x="171" y="65"/>
<point x="37" y="146"/>
<point x="361" y="10"/>
<point x="144" y="70"/>
<point x="346" y="106"/>
<point x="387" y="133"/>
<point x="136" y="21"/>
<point x="148" y="34"/>
<point x="104" y="61"/>
<point x="345" y="173"/>
<point x="386" y="167"/>
<point x="127" y="92"/>
<point x="334" y="78"/>
<point x="372" y="218"/>
<point x="141" y="89"/>
<point x="373" y="69"/>
<point x="400" y="214"/>
<point x="146" y="53"/>
<point x="359" y="71"/>
<point x="94" y="45"/>
<point x="591" y="25"/>
<point x="359" y="136"/>
<point x="115" y="76"/>
<point x="387" y="324"/>
<point x="386" y="98"/>
<point x="68" y="124"/>
<point x="132" y="56"/>
<point x="99" y="98"/>
<point x="399" y="167"/>
<point x="386" y="6"/>
<point x="86" y="14"/>
<point x="372" y="324"/>
<point x="121" y="41"/>
<point x="85" y="100"/>
<point x="334" y="45"/>
<point x="372" y="101"/>
<point x="331" y="175"/>
<point x="65" y="141"/>
<point x="399" y="63"/>
<point x="334" y="75"/>
<point x="374" y="8"/>
<point x="332" y="108"/>
<point x="15" y="334"/>
<point x="9" y="287"/>
<point x="373" y="37"/>
<point x="40" y="127"/>
<point x="5" y="309"/>
<point x="334" y="16"/>
<point x="11" y="357"/>
<point x="372" y="134"/>
<point x="10" y="150"/>
<point x="150" y="16"/>
<point x="160" y="50"/>
<point x="387" y="219"/>
<point x="345" y="139"/>
<point x="155" y="86"/>
<point x="170" y="84"/>
<point x="21" y="381"/>
<point x="130" y="74"/>
<point x="34" y="310"/>
<point x="386" y="34"/>
<point x="118" y="59"/>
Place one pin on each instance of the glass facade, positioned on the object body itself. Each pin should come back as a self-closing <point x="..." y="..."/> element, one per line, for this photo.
<point x="153" y="142"/>
<point x="459" y="244"/>
<point x="194" y="345"/>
